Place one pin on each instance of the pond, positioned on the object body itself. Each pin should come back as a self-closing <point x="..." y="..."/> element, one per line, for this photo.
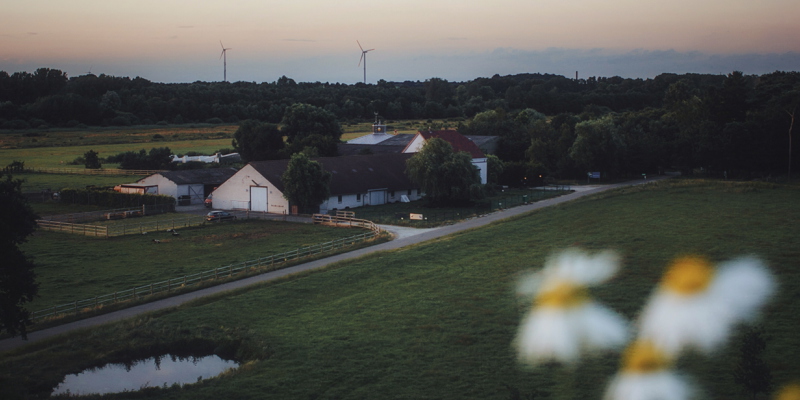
<point x="152" y="372"/>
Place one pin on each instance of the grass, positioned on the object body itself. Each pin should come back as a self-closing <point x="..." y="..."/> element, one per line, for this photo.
<point x="60" y="157"/>
<point x="436" y="320"/>
<point x="90" y="136"/>
<point x="56" y="148"/>
<point x="74" y="267"/>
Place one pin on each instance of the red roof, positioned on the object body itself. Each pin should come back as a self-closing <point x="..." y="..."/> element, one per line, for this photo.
<point x="457" y="140"/>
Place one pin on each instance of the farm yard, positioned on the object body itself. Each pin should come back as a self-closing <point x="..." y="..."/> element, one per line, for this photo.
<point x="436" y="320"/>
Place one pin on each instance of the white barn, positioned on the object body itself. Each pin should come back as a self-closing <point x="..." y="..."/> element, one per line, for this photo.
<point x="194" y="183"/>
<point x="356" y="181"/>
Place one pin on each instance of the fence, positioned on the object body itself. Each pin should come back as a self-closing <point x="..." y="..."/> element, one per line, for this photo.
<point x="87" y="171"/>
<point x="89" y="216"/>
<point x="80" y="229"/>
<point x="268" y="263"/>
<point x="124" y="228"/>
<point x="344" y="218"/>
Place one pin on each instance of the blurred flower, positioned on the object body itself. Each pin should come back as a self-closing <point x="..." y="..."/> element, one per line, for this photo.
<point x="789" y="392"/>
<point x="647" y="375"/>
<point x="564" y="321"/>
<point x="697" y="307"/>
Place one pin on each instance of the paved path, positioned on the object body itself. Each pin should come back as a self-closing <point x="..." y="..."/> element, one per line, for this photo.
<point x="403" y="237"/>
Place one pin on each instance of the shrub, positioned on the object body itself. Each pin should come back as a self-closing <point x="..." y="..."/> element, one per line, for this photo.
<point x="111" y="199"/>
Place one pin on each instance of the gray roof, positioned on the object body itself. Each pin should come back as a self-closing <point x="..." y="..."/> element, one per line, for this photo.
<point x="350" y="174"/>
<point x="372" y="138"/>
<point x="206" y="176"/>
<point x="346" y="149"/>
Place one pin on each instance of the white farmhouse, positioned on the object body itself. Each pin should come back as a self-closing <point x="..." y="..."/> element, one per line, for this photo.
<point x="356" y="181"/>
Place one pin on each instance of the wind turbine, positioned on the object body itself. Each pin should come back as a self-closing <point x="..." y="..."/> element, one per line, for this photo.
<point x="224" y="57"/>
<point x="364" y="59"/>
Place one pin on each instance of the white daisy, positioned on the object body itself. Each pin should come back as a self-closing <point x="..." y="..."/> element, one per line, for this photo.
<point x="646" y="375"/>
<point x="696" y="307"/>
<point x="564" y="322"/>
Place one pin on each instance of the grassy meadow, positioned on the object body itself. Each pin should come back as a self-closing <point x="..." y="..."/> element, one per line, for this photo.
<point x="56" y="148"/>
<point x="436" y="320"/>
<point x="74" y="267"/>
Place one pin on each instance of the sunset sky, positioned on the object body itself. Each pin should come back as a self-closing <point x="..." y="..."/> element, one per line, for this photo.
<point x="457" y="40"/>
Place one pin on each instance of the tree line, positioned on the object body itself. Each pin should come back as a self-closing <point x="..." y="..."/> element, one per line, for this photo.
<point x="550" y="125"/>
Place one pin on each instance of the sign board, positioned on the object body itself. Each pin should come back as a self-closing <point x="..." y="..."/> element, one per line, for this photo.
<point x="594" y="175"/>
<point x="415" y="216"/>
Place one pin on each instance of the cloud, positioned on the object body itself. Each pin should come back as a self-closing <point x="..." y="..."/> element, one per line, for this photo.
<point x="300" y="40"/>
<point x="33" y="33"/>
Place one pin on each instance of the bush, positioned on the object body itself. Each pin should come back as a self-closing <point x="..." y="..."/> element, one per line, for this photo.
<point x="16" y="124"/>
<point x="111" y="199"/>
<point x="215" y="121"/>
<point x="120" y="121"/>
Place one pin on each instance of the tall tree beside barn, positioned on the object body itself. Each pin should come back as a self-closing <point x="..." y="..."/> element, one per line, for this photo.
<point x="445" y="176"/>
<point x="17" y="279"/>
<point x="305" y="125"/>
<point x="257" y="141"/>
<point x="306" y="183"/>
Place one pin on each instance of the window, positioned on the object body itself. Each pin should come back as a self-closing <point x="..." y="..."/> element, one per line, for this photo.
<point x="391" y="194"/>
<point x="340" y="199"/>
<point x="358" y="197"/>
<point x="409" y="192"/>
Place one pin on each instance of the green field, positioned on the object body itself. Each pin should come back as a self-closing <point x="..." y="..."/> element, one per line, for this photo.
<point x="74" y="267"/>
<point x="57" y="148"/>
<point x="436" y="320"/>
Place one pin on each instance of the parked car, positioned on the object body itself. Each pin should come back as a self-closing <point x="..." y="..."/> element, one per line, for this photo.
<point x="208" y="202"/>
<point x="219" y="216"/>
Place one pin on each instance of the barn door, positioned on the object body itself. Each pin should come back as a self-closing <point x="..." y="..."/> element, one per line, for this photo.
<point x="258" y="199"/>
<point x="377" y="197"/>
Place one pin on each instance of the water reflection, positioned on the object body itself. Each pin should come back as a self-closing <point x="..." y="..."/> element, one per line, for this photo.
<point x="156" y="371"/>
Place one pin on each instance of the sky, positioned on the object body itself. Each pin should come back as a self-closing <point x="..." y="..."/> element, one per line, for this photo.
<point x="457" y="40"/>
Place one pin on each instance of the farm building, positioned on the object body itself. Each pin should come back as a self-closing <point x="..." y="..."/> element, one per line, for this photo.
<point x="459" y="143"/>
<point x="355" y="181"/>
<point x="188" y="186"/>
<point x="380" y="142"/>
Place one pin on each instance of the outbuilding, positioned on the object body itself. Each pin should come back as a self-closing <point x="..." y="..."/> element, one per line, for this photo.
<point x="189" y="186"/>
<point x="356" y="181"/>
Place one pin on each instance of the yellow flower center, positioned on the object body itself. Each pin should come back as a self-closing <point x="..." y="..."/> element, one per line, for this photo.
<point x="562" y="295"/>
<point x="644" y="357"/>
<point x="688" y="275"/>
<point x="789" y="392"/>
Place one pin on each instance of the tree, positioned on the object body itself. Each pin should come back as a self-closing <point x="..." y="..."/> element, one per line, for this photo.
<point x="305" y="183"/>
<point x="781" y="92"/>
<point x="444" y="175"/>
<point x="302" y="121"/>
<point x="597" y="146"/>
<point x="91" y="160"/>
<point x="257" y="141"/>
<point x="17" y="279"/>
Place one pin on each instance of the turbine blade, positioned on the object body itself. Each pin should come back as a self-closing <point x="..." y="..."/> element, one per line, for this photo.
<point x="368" y="50"/>
<point x="220" y="44"/>
<point x="362" y="59"/>
<point x="359" y="45"/>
